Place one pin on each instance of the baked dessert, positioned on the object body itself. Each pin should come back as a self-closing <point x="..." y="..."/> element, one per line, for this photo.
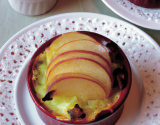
<point x="78" y="79"/>
<point x="146" y="3"/>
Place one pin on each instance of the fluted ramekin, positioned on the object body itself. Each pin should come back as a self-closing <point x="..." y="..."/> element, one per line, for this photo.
<point x="32" y="7"/>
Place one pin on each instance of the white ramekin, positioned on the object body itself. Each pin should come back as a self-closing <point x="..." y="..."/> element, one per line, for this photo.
<point x="32" y="7"/>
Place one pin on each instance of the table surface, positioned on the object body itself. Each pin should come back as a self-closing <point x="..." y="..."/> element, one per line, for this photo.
<point x="11" y="22"/>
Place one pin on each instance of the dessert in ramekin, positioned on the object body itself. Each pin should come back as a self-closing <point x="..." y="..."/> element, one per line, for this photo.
<point x="79" y="78"/>
<point x="146" y="3"/>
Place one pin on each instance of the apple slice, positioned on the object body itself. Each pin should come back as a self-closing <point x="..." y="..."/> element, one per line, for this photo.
<point x="80" y="87"/>
<point x="86" y="45"/>
<point x="79" y="53"/>
<point x="71" y="74"/>
<point x="83" y="66"/>
<point x="67" y="37"/>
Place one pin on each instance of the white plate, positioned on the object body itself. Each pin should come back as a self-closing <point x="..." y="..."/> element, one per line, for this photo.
<point x="141" y="50"/>
<point x="147" y="18"/>
<point x="27" y="112"/>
